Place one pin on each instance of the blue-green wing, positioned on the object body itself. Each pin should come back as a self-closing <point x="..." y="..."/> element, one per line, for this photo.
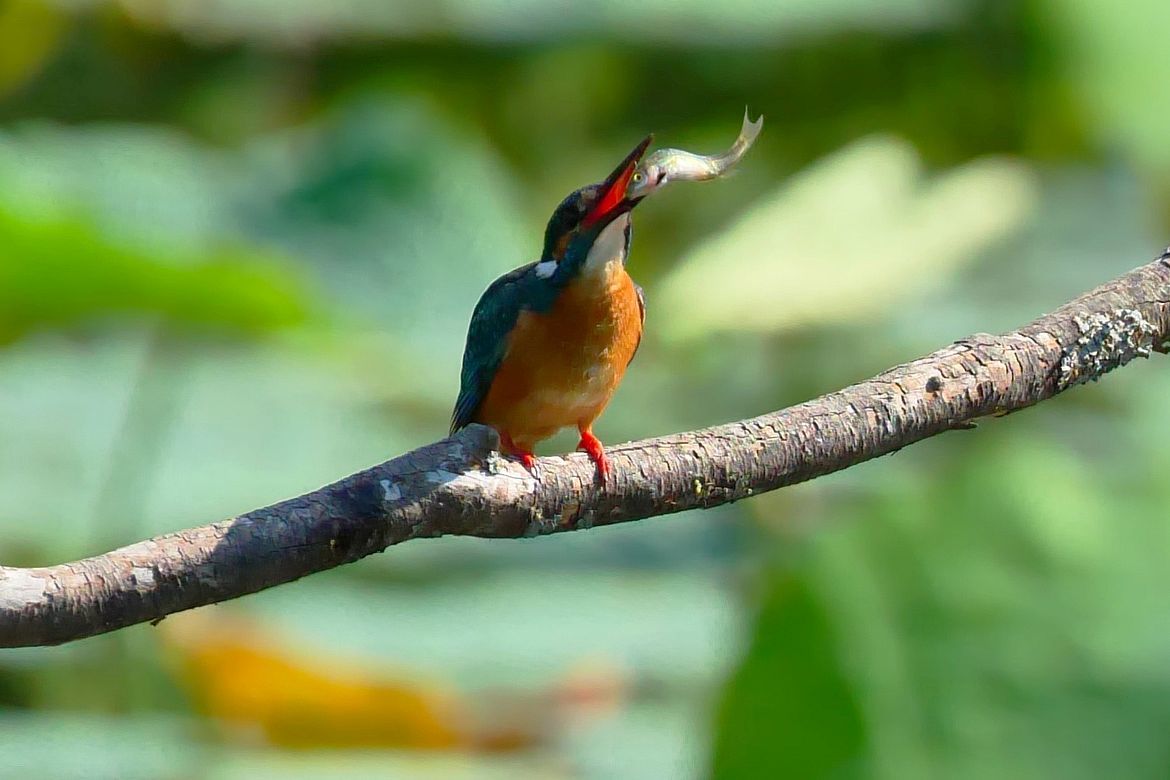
<point x="487" y="340"/>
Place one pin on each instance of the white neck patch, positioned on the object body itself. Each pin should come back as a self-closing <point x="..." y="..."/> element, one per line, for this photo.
<point x="610" y="246"/>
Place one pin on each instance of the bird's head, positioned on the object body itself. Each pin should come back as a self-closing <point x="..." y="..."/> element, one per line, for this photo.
<point x="585" y="214"/>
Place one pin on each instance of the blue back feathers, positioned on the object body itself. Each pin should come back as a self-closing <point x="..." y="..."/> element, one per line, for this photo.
<point x="487" y="336"/>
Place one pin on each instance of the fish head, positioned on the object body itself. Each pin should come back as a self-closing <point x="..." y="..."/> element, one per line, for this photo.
<point x="651" y="173"/>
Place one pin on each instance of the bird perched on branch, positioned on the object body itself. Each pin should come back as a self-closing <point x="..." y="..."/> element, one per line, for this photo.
<point x="550" y="341"/>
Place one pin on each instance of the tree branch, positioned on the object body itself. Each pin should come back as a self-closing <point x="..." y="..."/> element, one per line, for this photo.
<point x="461" y="486"/>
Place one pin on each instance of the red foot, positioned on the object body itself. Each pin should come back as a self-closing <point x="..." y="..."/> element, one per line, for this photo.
<point x="526" y="458"/>
<point x="592" y="447"/>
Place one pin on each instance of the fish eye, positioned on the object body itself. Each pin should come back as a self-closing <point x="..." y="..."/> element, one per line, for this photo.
<point x="638" y="177"/>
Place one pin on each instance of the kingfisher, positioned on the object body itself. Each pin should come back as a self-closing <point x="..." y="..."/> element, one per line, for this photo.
<point x="549" y="342"/>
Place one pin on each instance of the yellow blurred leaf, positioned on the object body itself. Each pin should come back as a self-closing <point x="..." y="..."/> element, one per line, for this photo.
<point x="246" y="682"/>
<point x="254" y="683"/>
<point x="851" y="236"/>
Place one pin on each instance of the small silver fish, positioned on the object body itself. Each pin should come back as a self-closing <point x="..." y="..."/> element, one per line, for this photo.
<point x="666" y="165"/>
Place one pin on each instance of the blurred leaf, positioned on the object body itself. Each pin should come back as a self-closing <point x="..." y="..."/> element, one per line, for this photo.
<point x="790" y="710"/>
<point x="994" y="609"/>
<point x="247" y="680"/>
<point x="846" y="239"/>
<point x="1089" y="225"/>
<point x="106" y="222"/>
<point x="30" y="32"/>
<point x="1119" y="75"/>
<point x="63" y="273"/>
<point x="246" y="683"/>
<point x="671" y="634"/>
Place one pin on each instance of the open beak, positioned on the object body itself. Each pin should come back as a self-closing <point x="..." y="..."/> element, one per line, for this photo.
<point x="613" y="201"/>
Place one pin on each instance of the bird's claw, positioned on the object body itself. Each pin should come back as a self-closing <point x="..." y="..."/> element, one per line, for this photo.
<point x="590" y="445"/>
<point x="529" y="462"/>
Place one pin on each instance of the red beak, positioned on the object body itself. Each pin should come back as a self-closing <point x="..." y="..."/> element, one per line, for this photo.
<point x="613" y="189"/>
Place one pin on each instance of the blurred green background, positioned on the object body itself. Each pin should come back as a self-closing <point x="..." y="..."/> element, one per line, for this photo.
<point x="239" y="245"/>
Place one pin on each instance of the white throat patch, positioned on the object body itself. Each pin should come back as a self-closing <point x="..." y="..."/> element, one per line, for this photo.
<point x="610" y="246"/>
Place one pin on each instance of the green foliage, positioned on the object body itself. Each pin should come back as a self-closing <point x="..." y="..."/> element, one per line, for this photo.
<point x="904" y="238"/>
<point x="62" y="273"/>
<point x="1118" y="80"/>
<point x="789" y="711"/>
<point x="985" y="603"/>
<point x="682" y="21"/>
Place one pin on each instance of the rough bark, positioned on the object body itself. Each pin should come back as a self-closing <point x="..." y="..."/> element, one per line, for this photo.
<point x="461" y="486"/>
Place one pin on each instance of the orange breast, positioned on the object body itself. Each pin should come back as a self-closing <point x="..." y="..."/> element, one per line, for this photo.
<point x="563" y="366"/>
